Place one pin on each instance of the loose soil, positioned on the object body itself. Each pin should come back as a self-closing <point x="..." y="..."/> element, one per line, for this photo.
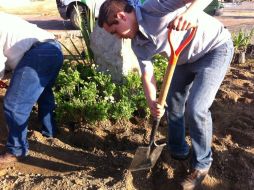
<point x="36" y="7"/>
<point x="97" y="156"/>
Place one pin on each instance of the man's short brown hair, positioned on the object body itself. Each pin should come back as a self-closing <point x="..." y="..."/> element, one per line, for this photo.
<point x="110" y="8"/>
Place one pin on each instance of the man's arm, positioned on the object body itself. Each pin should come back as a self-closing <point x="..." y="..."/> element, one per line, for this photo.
<point x="150" y="89"/>
<point x="198" y="4"/>
<point x="2" y="63"/>
<point x="189" y="18"/>
<point x="2" y="70"/>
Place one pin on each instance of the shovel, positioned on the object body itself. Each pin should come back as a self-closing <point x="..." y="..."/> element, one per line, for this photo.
<point x="146" y="156"/>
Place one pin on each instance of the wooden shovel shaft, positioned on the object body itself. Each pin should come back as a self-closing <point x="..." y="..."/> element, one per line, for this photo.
<point x="168" y="77"/>
<point x="172" y="64"/>
<point x="167" y="80"/>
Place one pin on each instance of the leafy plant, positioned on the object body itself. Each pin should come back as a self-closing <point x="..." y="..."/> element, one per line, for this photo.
<point x="242" y="39"/>
<point x="84" y="94"/>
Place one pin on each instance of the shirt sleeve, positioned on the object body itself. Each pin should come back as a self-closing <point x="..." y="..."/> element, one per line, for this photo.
<point x="145" y="66"/>
<point x="162" y="7"/>
<point x="2" y="64"/>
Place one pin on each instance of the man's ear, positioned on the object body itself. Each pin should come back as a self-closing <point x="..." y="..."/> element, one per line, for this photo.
<point x="121" y="15"/>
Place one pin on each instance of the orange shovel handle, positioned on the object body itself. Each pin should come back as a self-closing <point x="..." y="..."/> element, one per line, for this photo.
<point x="172" y="64"/>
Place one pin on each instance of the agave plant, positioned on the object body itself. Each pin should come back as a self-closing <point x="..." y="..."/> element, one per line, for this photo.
<point x="86" y="26"/>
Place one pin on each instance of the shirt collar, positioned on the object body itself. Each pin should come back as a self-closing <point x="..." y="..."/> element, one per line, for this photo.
<point x="142" y="33"/>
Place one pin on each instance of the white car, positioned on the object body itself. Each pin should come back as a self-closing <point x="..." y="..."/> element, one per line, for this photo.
<point x="67" y="9"/>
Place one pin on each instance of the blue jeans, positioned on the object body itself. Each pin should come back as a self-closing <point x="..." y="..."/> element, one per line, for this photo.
<point x="32" y="82"/>
<point x="191" y="94"/>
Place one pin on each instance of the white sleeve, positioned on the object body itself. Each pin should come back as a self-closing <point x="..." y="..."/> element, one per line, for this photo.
<point x="2" y="64"/>
<point x="146" y="66"/>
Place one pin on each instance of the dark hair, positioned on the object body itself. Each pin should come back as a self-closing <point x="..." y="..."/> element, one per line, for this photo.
<point x="110" y="8"/>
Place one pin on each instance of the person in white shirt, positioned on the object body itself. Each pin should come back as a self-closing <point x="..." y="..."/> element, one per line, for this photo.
<point x="35" y="58"/>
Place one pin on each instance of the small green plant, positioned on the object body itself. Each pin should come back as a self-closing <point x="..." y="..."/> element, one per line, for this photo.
<point x="242" y="39"/>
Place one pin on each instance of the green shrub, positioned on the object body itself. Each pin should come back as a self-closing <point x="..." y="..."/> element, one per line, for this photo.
<point x="242" y="39"/>
<point x="83" y="94"/>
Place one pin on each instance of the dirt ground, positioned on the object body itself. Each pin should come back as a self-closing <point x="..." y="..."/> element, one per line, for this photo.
<point x="38" y="7"/>
<point x="97" y="157"/>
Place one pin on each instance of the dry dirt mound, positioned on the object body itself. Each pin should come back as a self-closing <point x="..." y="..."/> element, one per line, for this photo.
<point x="98" y="156"/>
<point x="40" y="7"/>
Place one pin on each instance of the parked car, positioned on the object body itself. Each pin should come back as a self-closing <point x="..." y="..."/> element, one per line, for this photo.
<point x="66" y="9"/>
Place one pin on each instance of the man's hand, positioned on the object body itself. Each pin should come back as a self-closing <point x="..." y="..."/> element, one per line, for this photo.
<point x="157" y="110"/>
<point x="189" y="18"/>
<point x="183" y="21"/>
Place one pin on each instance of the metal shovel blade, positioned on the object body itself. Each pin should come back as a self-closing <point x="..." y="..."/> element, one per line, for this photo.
<point x="146" y="157"/>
